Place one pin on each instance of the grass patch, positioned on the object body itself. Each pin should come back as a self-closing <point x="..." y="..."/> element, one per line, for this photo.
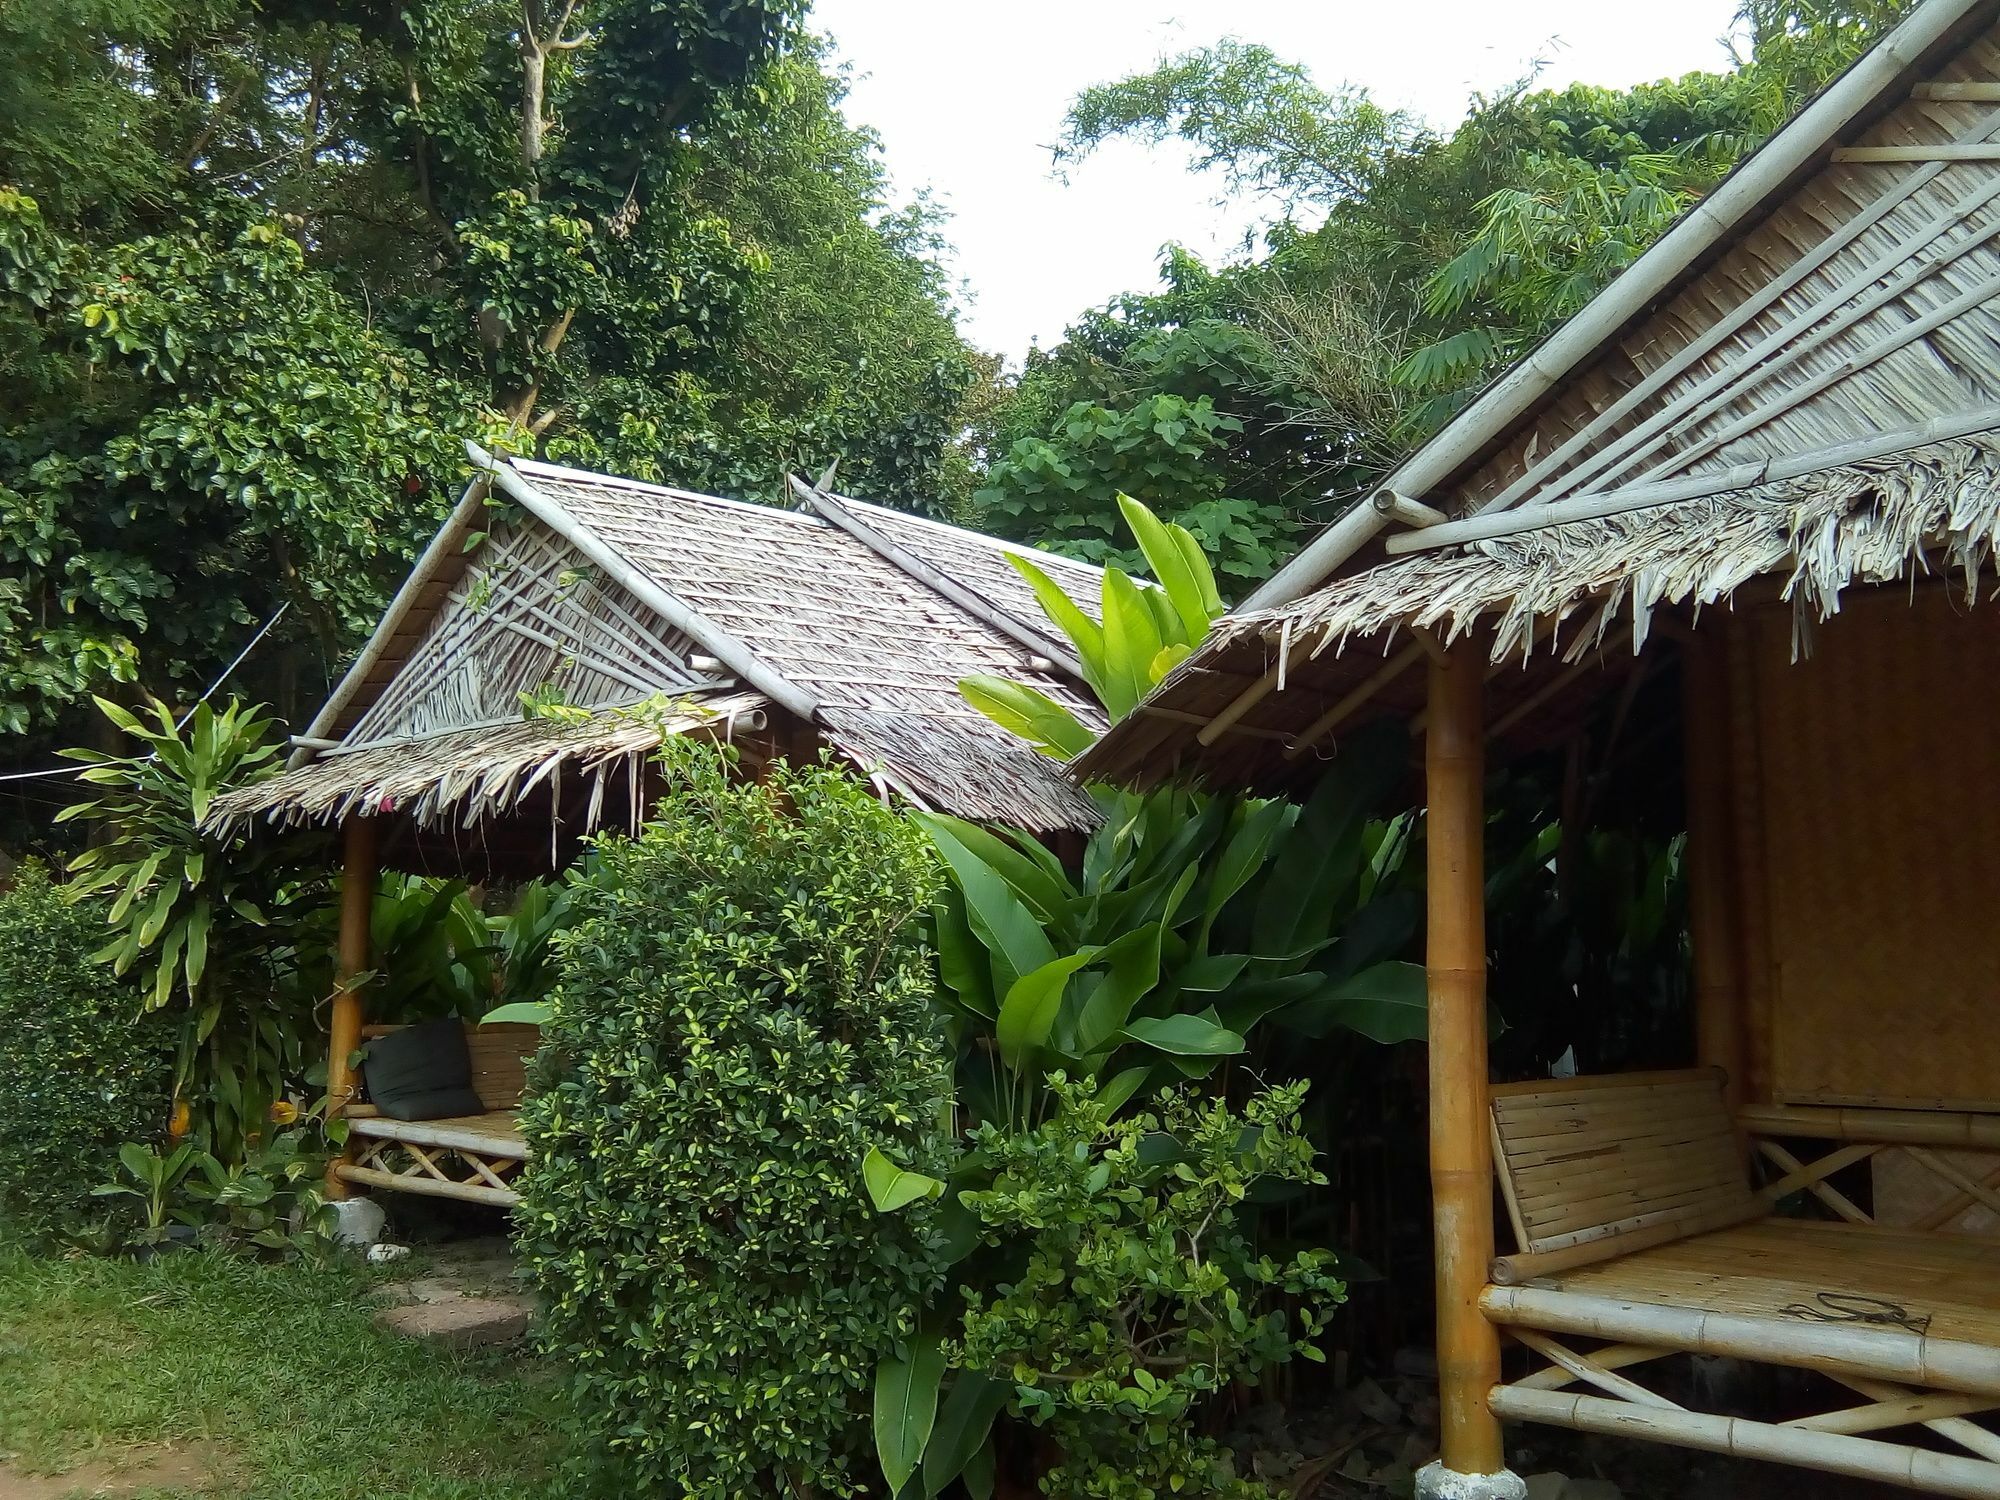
<point x="276" y="1365"/>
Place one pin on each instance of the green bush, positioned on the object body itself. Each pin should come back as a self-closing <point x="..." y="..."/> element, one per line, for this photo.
<point x="743" y="1008"/>
<point x="1141" y="1296"/>
<point x="80" y="1070"/>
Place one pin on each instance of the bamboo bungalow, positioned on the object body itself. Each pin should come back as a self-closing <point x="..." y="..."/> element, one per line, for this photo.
<point x="839" y="625"/>
<point x="1766" y="460"/>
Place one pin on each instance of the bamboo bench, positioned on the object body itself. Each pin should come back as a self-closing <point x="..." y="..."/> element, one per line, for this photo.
<point x="472" y="1158"/>
<point x="1638" y="1226"/>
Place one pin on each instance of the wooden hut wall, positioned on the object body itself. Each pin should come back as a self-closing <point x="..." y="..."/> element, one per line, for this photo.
<point x="1867" y="857"/>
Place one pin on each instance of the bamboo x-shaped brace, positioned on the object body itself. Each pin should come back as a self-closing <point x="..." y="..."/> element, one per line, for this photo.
<point x="1888" y="1405"/>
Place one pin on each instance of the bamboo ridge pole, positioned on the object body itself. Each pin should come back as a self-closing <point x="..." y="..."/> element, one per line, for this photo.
<point x="1468" y="1346"/>
<point x="360" y="864"/>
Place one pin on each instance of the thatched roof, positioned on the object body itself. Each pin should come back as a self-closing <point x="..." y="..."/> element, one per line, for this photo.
<point x="465" y="776"/>
<point x="853" y="623"/>
<point x="1799" y="387"/>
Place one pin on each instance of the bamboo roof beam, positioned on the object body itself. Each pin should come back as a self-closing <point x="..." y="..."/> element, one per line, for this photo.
<point x="1484" y="526"/>
<point x="724" y="646"/>
<point x="1860" y="295"/>
<point x="1943" y="151"/>
<point x="1037" y="641"/>
<point x="1763" y="172"/>
<point x="1968" y="92"/>
<point x="1735" y="320"/>
<point x="1350" y="702"/>
<point x="448" y="543"/>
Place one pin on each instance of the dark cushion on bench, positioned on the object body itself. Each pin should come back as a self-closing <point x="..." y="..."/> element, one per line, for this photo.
<point x="422" y="1072"/>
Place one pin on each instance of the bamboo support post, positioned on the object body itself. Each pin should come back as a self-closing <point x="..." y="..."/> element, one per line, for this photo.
<point x="1468" y="1345"/>
<point x="360" y="863"/>
<point x="1718" y="1011"/>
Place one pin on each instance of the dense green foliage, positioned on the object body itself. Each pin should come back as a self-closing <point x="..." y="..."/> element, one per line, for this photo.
<point x="81" y="1071"/>
<point x="264" y="267"/>
<point x="1407" y="267"/>
<point x="743" y="1011"/>
<point x="1142" y="1294"/>
<point x="221" y="932"/>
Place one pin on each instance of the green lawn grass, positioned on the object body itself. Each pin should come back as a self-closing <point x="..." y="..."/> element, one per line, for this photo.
<point x="276" y="1366"/>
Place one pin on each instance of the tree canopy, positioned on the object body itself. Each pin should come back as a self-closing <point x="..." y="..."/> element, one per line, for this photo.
<point x="1407" y="266"/>
<point x="264" y="267"/>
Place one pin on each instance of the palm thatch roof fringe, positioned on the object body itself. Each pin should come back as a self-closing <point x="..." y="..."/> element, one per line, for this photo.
<point x="471" y="774"/>
<point x="942" y="764"/>
<point x="1565" y="591"/>
<point x="1866" y="523"/>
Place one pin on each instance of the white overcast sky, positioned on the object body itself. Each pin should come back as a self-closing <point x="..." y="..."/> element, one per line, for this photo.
<point x="968" y="97"/>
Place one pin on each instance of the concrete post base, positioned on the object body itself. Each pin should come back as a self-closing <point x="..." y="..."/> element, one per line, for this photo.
<point x="1436" y="1482"/>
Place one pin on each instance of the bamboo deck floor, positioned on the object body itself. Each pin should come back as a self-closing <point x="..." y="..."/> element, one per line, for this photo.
<point x="1759" y="1270"/>
<point x="495" y="1133"/>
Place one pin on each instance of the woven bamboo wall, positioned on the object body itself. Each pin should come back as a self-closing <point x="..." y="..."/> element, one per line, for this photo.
<point x="1879" y="761"/>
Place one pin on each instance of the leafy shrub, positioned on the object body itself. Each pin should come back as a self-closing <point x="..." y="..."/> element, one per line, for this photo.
<point x="1141" y="1295"/>
<point x="743" y="1009"/>
<point x="80" y="1071"/>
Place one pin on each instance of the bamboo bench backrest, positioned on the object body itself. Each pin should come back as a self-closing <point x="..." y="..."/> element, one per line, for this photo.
<point x="1594" y="1167"/>
<point x="500" y="1053"/>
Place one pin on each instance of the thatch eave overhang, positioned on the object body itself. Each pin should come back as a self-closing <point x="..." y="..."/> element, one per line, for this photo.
<point x="1561" y="610"/>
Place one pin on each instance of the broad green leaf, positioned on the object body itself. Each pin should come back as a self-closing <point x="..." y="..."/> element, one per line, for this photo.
<point x="1211" y="972"/>
<point x="1386" y="1003"/>
<point x="1243" y="856"/>
<point x="962" y="1427"/>
<point x="1185" y="1036"/>
<point x="1037" y="878"/>
<point x="1084" y="633"/>
<point x="1165" y="661"/>
<point x="1028" y="713"/>
<point x="1132" y="972"/>
<point x="199" y="919"/>
<point x="891" y="1187"/>
<point x="1131" y="641"/>
<point x="1170" y="569"/>
<point x="1198" y="568"/>
<point x="1119" y="1091"/>
<point x="518" y="1012"/>
<point x="963" y="962"/>
<point x="1014" y="940"/>
<point x="906" y="1398"/>
<point x="1028" y="1013"/>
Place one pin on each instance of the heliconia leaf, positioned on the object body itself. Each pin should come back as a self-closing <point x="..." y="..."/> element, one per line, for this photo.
<point x="1038" y="880"/>
<point x="1084" y="633"/>
<point x="1196" y="562"/>
<point x="1029" y="713"/>
<point x="1165" y="660"/>
<point x="963" y="962"/>
<point x="1131" y="641"/>
<point x="1170" y="569"/>
<point x="1185" y="1036"/>
<point x="1028" y="1012"/>
<point x="1386" y="1003"/>
<point x="518" y="1013"/>
<point x="1119" y="1091"/>
<point x="891" y="1187"/>
<point x="1013" y="938"/>
<point x="906" y="1397"/>
<point x="1132" y="972"/>
<point x="962" y="1428"/>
